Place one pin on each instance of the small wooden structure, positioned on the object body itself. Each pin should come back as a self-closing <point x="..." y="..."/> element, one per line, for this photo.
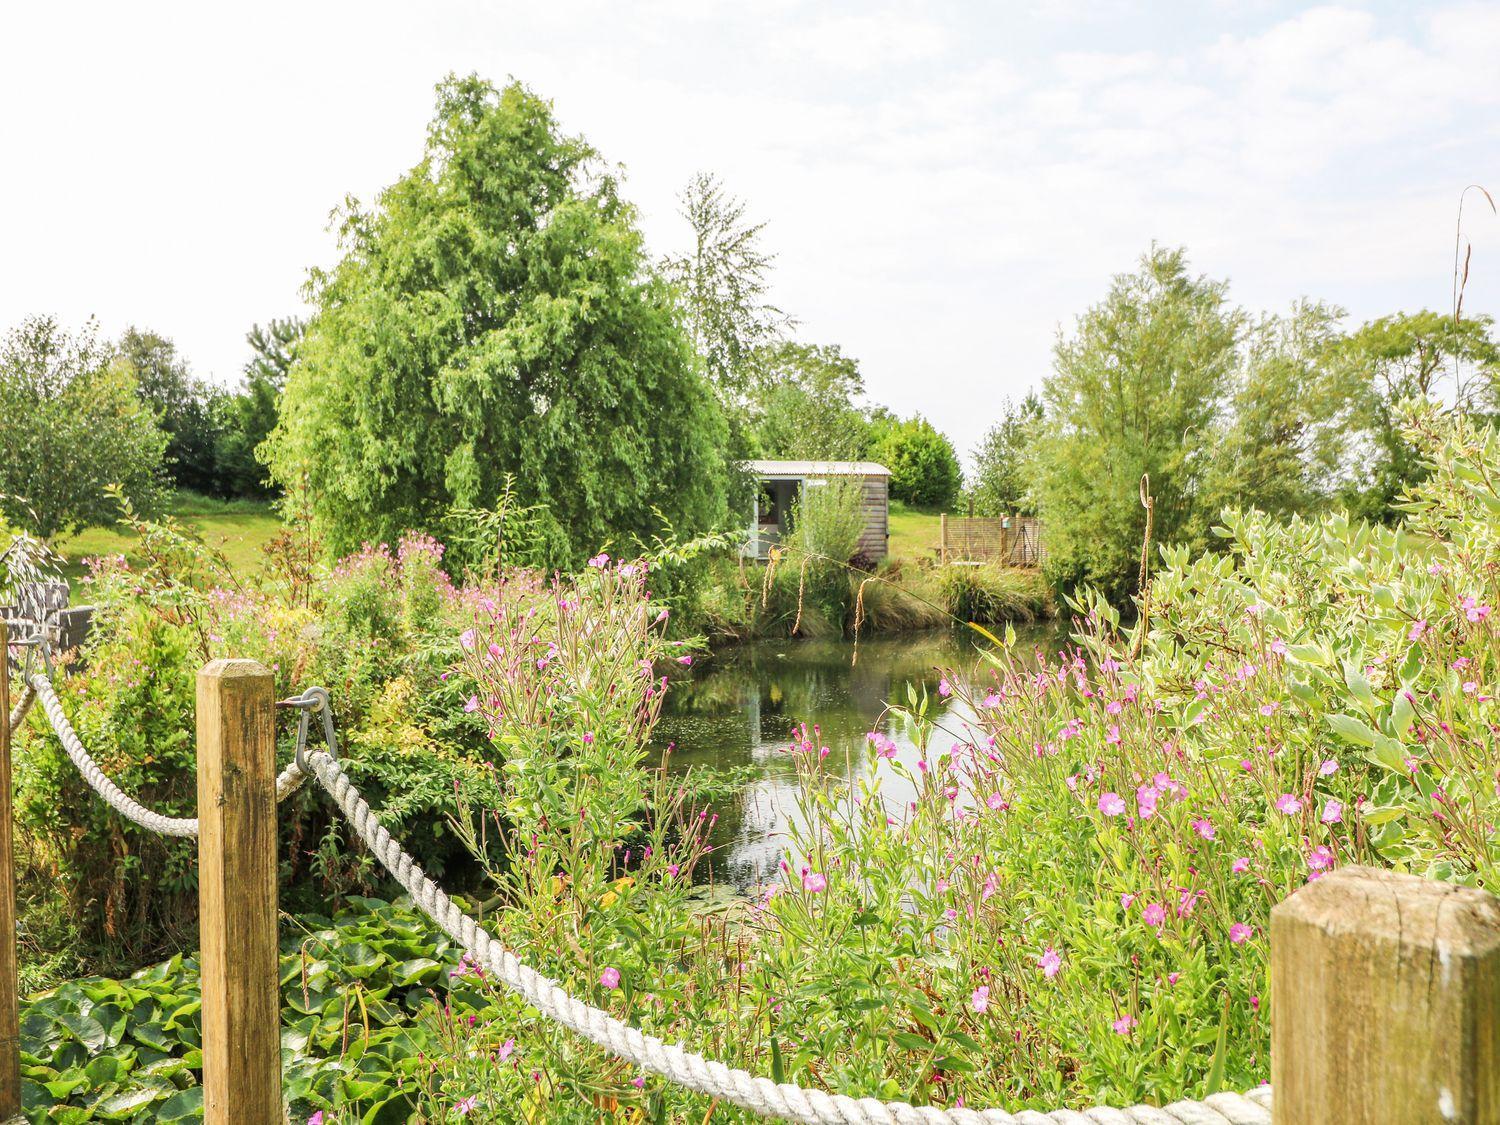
<point x="782" y="482"/>
<point x="1008" y="540"/>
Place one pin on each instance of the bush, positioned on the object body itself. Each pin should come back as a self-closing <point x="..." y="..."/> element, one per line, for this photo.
<point x="924" y="468"/>
<point x="989" y="593"/>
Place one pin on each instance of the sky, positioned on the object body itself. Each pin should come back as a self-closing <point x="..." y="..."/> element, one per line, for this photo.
<point x="945" y="186"/>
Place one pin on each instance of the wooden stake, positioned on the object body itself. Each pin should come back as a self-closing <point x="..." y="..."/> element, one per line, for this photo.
<point x="1385" y="1002"/>
<point x="237" y="894"/>
<point x="10" y="1034"/>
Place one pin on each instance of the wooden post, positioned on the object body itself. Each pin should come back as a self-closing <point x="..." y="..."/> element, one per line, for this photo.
<point x="1385" y="1002"/>
<point x="943" y="537"/>
<point x="237" y="894"/>
<point x="10" y="1034"/>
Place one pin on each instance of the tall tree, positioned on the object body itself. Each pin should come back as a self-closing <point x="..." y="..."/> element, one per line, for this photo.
<point x="923" y="463"/>
<point x="724" y="284"/>
<point x="1137" y="389"/>
<point x="495" y="314"/>
<point x="1426" y="356"/>
<point x="803" y="405"/>
<point x="72" y="425"/>
<point x="186" y="406"/>
<point x="1000" y="486"/>
<point x="248" y="416"/>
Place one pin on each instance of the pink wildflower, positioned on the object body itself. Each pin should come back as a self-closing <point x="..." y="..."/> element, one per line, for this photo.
<point x="506" y="1049"/>
<point x="472" y="704"/>
<point x="980" y="999"/>
<point x="1123" y="1025"/>
<point x="1111" y="804"/>
<point x="1155" y="914"/>
<point x="1333" y="812"/>
<point x="1329" y="767"/>
<point x="316" y="1118"/>
<point x="1240" y="866"/>
<point x="466" y="638"/>
<point x="885" y="745"/>
<point x="1320" y="859"/>
<point x="1417" y="630"/>
<point x="688" y="659"/>
<point x="610" y="978"/>
<point x="1239" y="933"/>
<point x="997" y="801"/>
<point x="1050" y="962"/>
<point x="1204" y="828"/>
<point x="814" y="882"/>
<point x="945" y="689"/>
<point x="1474" y="611"/>
<point x="1288" y="804"/>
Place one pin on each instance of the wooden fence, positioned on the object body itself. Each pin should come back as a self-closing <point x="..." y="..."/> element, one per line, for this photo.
<point x="1385" y="988"/>
<point x="1009" y="540"/>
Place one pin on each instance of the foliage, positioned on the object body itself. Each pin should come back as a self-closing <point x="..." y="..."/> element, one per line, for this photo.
<point x="247" y="417"/>
<point x="188" y="409"/>
<point x="924" y="467"/>
<point x="493" y="314"/>
<point x="988" y="593"/>
<point x="74" y="426"/>
<point x="723" y="286"/>
<point x="1428" y="356"/>
<point x="1135" y="390"/>
<point x="999" y="485"/>
<point x="803" y="406"/>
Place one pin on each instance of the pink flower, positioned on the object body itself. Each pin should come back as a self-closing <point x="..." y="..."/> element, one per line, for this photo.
<point x="506" y="1049"/>
<point x="813" y="882"/>
<point x="638" y="1082"/>
<point x="1155" y="914"/>
<point x="1288" y="804"/>
<point x="1123" y="1025"/>
<point x="1204" y="828"/>
<point x="997" y="801"/>
<point x="885" y="745"/>
<point x="1320" y="859"/>
<point x="1111" y="804"/>
<point x="1146" y="797"/>
<point x="991" y="701"/>
<point x="1269" y="709"/>
<point x="1474" y="611"/>
<point x="685" y="659"/>
<point x="1240" y="866"/>
<point x="464" y="1106"/>
<point x="610" y="978"/>
<point x="1333" y="812"/>
<point x="1173" y="978"/>
<point x="1278" y="646"/>
<point x="1417" y="630"/>
<point x="472" y="704"/>
<point x="945" y="689"/>
<point x="316" y="1118"/>
<point x="980" y="1000"/>
<point x="1239" y="933"/>
<point x="466" y="638"/>
<point x="1126" y="900"/>
<point x="599" y="561"/>
<point x="1113" y="737"/>
<point x="1329" y="767"/>
<point x="1050" y="963"/>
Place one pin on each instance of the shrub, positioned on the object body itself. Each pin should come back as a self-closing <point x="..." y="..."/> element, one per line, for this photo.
<point x="988" y="592"/>
<point x="924" y="467"/>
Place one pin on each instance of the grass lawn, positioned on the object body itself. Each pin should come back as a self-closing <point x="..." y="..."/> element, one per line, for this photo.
<point x="238" y="528"/>
<point x="914" y="532"/>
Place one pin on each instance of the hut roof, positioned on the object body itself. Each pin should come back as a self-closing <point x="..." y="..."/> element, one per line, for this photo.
<point x="772" y="469"/>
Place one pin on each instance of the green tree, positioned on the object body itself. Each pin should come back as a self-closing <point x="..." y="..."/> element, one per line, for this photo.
<point x="1000" y="486"/>
<point x="1139" y="388"/>
<point x="72" y="425"/>
<point x="803" y="405"/>
<point x="1284" y="442"/>
<point x="495" y="314"/>
<point x="723" y="282"/>
<point x="1426" y="355"/>
<point x="188" y="408"/>
<point x="924" y="467"/>
<point x="249" y="415"/>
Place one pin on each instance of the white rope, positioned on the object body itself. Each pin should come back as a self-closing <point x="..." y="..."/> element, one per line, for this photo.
<point x="287" y="782"/>
<point x="705" y="1076"/>
<point x="23" y="705"/>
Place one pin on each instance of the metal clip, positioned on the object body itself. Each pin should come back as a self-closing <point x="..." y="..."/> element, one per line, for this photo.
<point x="35" y="645"/>
<point x="311" y="700"/>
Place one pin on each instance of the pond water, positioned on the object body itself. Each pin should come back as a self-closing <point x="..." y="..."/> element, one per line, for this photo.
<point x="739" y="708"/>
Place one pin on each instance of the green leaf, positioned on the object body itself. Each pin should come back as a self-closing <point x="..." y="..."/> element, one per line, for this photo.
<point x="1352" y="730"/>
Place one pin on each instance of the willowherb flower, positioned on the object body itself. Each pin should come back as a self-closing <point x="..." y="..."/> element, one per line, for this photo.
<point x="945" y="689"/>
<point x="885" y="745"/>
<point x="980" y="999"/>
<point x="1333" y="812"/>
<point x="1123" y="1025"/>
<point x="1288" y="804"/>
<point x="1154" y="914"/>
<point x="1474" y="611"/>
<point x="465" y="1106"/>
<point x="1240" y="866"/>
<point x="1112" y="804"/>
<point x="814" y="882"/>
<point x="506" y="1049"/>
<point x="1239" y="933"/>
<point x="610" y="978"/>
<point x="1320" y="858"/>
<point x="1204" y="828"/>
<point x="1050" y="962"/>
<point x="1329" y="767"/>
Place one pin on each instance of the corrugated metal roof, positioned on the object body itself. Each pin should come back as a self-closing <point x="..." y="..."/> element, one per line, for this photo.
<point x="817" y="469"/>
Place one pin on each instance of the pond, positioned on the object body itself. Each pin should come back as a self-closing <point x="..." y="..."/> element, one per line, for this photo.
<point x="739" y="708"/>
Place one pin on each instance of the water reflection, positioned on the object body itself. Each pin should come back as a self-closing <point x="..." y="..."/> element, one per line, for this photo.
<point x="740" y="708"/>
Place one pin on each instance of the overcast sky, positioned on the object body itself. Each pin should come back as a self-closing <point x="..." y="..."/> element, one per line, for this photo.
<point x="945" y="184"/>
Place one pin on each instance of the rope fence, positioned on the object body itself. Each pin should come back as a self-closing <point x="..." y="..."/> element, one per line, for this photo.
<point x="1357" y="935"/>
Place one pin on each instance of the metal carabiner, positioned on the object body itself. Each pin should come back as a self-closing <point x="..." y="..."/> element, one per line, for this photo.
<point x="312" y="699"/>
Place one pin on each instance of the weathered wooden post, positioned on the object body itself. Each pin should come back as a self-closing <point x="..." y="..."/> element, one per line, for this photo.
<point x="10" y="1034"/>
<point x="943" y="537"/>
<point x="1385" y="1002"/>
<point x="237" y="894"/>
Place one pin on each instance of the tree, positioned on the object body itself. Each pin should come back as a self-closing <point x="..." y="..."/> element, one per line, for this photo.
<point x="999" y="486"/>
<point x="803" y="406"/>
<point x="495" y="314"/>
<point x="1283" y="444"/>
<point x="72" y="425"/>
<point x="188" y="408"/>
<point x="1139" y="388"/>
<point x="924" y="467"/>
<point x="1425" y="355"/>
<point x="723" y="283"/>
<point x="248" y="416"/>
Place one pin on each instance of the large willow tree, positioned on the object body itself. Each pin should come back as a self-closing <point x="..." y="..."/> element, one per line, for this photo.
<point x="494" y="313"/>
